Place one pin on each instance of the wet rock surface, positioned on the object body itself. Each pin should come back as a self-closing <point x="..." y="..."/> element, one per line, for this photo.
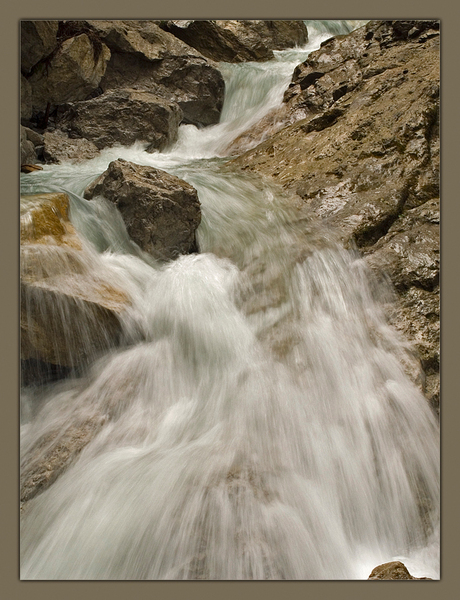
<point x="69" y="62"/>
<point x="392" y="570"/>
<point x="57" y="146"/>
<point x="68" y="312"/>
<point x="359" y="143"/>
<point x="52" y="454"/>
<point x="239" y="41"/>
<point x="145" y="57"/>
<point x="123" y="117"/>
<point x="161" y="212"/>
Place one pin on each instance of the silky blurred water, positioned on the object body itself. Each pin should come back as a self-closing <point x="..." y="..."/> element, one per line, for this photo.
<point x="255" y="422"/>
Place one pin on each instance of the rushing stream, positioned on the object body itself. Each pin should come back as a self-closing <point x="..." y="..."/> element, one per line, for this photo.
<point x="256" y="422"/>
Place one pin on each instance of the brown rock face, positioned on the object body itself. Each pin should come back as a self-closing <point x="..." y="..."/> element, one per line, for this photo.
<point x="360" y="146"/>
<point x="147" y="58"/>
<point x="161" y="212"/>
<point x="58" y="147"/>
<point x="28" y="154"/>
<point x="239" y="41"/>
<point x="38" y="40"/>
<point x="71" y="74"/>
<point x="26" y="99"/>
<point x="392" y="570"/>
<point x="68" y="312"/>
<point x="123" y="117"/>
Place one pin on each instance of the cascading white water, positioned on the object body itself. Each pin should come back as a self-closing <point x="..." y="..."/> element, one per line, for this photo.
<point x="257" y="423"/>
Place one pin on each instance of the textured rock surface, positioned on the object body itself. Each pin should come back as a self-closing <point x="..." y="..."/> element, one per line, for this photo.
<point x="364" y="157"/>
<point x="28" y="154"/>
<point x="38" y="40"/>
<point x="70" y="75"/>
<point x="26" y="99"/>
<point x="238" y="41"/>
<point x="51" y="456"/>
<point x="392" y="570"/>
<point x="161" y="212"/>
<point x="68" y="312"/>
<point x="123" y="117"/>
<point x="147" y="58"/>
<point x="31" y="147"/>
<point x="57" y="146"/>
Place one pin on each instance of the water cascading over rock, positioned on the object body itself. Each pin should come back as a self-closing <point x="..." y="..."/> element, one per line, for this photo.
<point x="255" y="419"/>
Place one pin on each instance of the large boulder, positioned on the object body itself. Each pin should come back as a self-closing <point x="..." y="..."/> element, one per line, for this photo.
<point x="69" y="311"/>
<point x="38" y="40"/>
<point x="161" y="212"/>
<point x="238" y="41"/>
<point x="71" y="74"/>
<point x="147" y="58"/>
<point x="123" y="117"/>
<point x="359" y="144"/>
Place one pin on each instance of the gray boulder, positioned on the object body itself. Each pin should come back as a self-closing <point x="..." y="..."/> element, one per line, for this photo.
<point x="123" y="117"/>
<point x="238" y="41"/>
<point x="147" y="58"/>
<point x="161" y="212"/>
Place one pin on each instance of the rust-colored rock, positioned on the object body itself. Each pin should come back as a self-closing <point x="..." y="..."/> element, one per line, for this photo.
<point x="69" y="313"/>
<point x="30" y="168"/>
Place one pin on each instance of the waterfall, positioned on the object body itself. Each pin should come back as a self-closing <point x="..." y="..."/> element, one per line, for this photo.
<point x="255" y="421"/>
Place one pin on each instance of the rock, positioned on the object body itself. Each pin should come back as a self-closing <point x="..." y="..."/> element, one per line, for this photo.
<point x="35" y="137"/>
<point x="31" y="148"/>
<point x="161" y="212"/>
<point x="71" y="74"/>
<point x="45" y="219"/>
<point x="52" y="454"/>
<point x="28" y="154"/>
<point x="38" y="40"/>
<point x="409" y="256"/>
<point x="26" y="99"/>
<point x="58" y="147"/>
<point x="30" y="168"/>
<point x="147" y="58"/>
<point x="359" y="143"/>
<point x="409" y="252"/>
<point x="238" y="41"/>
<point x="123" y="117"/>
<point x="65" y="320"/>
<point x="393" y="570"/>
